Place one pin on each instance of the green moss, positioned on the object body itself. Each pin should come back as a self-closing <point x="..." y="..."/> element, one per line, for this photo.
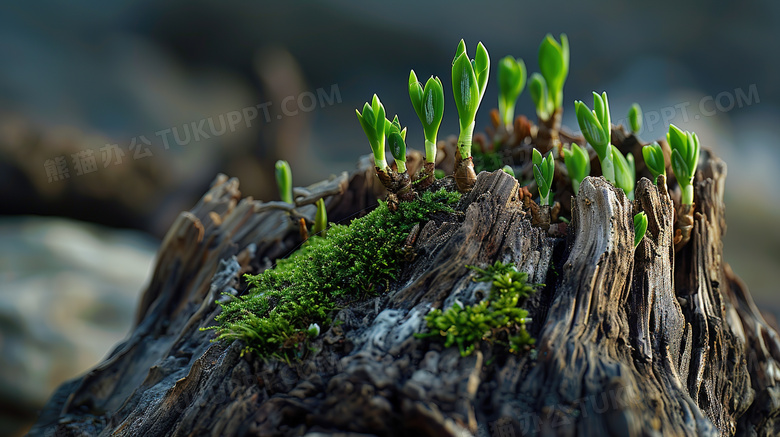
<point x="498" y="318"/>
<point x="355" y="261"/>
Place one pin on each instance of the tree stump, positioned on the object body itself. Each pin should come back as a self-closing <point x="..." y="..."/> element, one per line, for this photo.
<point x="644" y="342"/>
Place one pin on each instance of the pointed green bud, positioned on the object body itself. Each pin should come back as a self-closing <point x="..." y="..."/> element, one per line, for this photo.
<point x="508" y="170"/>
<point x="554" y="66"/>
<point x="460" y="50"/>
<point x="635" y="118"/>
<point x="469" y="80"/>
<point x="374" y="124"/>
<point x="640" y="228"/>
<point x="284" y="181"/>
<point x="415" y="93"/>
<point x="654" y="160"/>
<point x="511" y="81"/>
<point x="625" y="177"/>
<point x="591" y="129"/>
<point x="677" y="139"/>
<point x="544" y="171"/>
<point x="601" y="109"/>
<point x="680" y="168"/>
<point x="482" y="68"/>
<point x="465" y="90"/>
<point x="320" y="220"/>
<point x="578" y="164"/>
<point x="536" y="157"/>
<point x="685" y="159"/>
<point x="537" y="87"/>
<point x="396" y="143"/>
<point x="428" y="103"/>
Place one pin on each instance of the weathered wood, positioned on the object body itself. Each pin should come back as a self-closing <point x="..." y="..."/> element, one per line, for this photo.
<point x="630" y="342"/>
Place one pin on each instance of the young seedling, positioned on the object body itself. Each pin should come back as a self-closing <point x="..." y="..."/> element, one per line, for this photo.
<point x="373" y="122"/>
<point x="469" y="80"/>
<point x="597" y="130"/>
<point x="428" y="103"/>
<point x="547" y="89"/>
<point x="544" y="170"/>
<point x="377" y="128"/>
<point x="578" y="163"/>
<point x="554" y="66"/>
<point x="396" y="141"/>
<point x="640" y="227"/>
<point x="685" y="158"/>
<point x="654" y="160"/>
<point x="511" y="82"/>
<point x="401" y="182"/>
<point x="625" y="171"/>
<point x="320" y="220"/>
<point x="537" y="87"/>
<point x="284" y="181"/>
<point x="635" y="118"/>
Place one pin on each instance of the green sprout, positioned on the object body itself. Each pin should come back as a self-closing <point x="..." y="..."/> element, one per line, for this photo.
<point x="625" y="171"/>
<point x="396" y="141"/>
<point x="469" y="80"/>
<point x="654" y="160"/>
<point x="685" y="158"/>
<point x="320" y="220"/>
<point x="547" y="88"/>
<point x="640" y="227"/>
<point x="428" y="103"/>
<point x="508" y="170"/>
<point x="544" y="169"/>
<point x="597" y="130"/>
<point x="373" y="122"/>
<point x="511" y="81"/>
<point x="538" y="90"/>
<point x="578" y="163"/>
<point x="284" y="181"/>
<point x="635" y="118"/>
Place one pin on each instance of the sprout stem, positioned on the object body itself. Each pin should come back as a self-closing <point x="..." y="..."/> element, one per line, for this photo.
<point x="380" y="163"/>
<point x="509" y="114"/>
<point x="687" y="194"/>
<point x="464" y="140"/>
<point x="430" y="150"/>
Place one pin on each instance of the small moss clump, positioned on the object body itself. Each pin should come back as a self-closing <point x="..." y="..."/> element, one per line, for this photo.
<point x="354" y="262"/>
<point x="493" y="319"/>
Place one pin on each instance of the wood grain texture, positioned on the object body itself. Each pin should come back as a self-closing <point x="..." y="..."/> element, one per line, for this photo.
<point x="630" y="342"/>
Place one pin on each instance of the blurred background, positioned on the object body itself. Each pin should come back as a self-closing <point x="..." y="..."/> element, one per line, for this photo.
<point x="115" y="116"/>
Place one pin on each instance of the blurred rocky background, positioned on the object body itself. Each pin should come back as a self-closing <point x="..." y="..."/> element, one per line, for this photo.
<point x="114" y="116"/>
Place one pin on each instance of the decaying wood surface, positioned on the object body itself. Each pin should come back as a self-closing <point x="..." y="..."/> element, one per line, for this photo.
<point x="644" y="342"/>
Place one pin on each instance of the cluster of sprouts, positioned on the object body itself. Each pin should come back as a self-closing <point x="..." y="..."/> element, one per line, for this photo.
<point x="469" y="82"/>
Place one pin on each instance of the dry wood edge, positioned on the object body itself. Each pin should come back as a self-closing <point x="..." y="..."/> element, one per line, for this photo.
<point x="630" y="342"/>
